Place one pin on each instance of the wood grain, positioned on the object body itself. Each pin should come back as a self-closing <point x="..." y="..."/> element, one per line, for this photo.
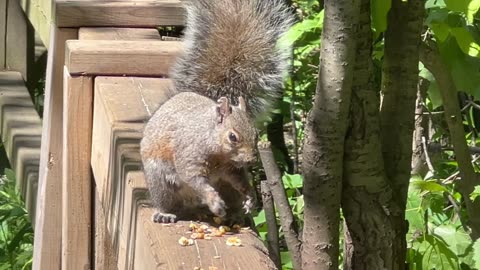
<point x="120" y="57"/>
<point x="3" y="30"/>
<point x="48" y="224"/>
<point x="116" y="123"/>
<point x="20" y="128"/>
<point x="81" y="13"/>
<point x="112" y="33"/>
<point x="77" y="179"/>
<point x="40" y="14"/>
<point x="20" y="40"/>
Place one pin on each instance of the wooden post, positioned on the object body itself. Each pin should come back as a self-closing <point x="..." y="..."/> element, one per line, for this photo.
<point x="77" y="178"/>
<point x="48" y="225"/>
<point x="20" y="40"/>
<point x="3" y="29"/>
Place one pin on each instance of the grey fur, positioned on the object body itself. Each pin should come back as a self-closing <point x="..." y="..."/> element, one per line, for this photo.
<point x="232" y="49"/>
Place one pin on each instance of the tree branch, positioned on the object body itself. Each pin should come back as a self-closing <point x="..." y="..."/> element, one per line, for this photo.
<point x="274" y="179"/>
<point x="432" y="60"/>
<point x="272" y="227"/>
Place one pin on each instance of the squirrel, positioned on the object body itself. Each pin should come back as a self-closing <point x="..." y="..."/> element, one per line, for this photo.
<point x="198" y="145"/>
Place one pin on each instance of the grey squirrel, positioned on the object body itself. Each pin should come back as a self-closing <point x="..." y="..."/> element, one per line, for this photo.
<point x="198" y="144"/>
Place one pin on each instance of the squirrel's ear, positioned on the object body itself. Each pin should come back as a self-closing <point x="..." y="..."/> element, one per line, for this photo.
<point x="223" y="109"/>
<point x="241" y="104"/>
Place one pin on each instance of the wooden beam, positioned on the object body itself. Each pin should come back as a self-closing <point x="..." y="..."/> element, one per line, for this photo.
<point x="157" y="244"/>
<point x="20" y="41"/>
<point x="105" y="57"/>
<point x="77" y="179"/>
<point x="111" y="33"/>
<point x="21" y="129"/>
<point x="40" y="14"/>
<point x="104" y="254"/>
<point x="3" y="31"/>
<point x="48" y="225"/>
<point x="117" y="123"/>
<point x="81" y="13"/>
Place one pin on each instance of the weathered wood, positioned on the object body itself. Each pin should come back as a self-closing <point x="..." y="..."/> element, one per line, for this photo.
<point x="157" y="246"/>
<point x="48" y="225"/>
<point x="118" y="122"/>
<point x="76" y="13"/>
<point x="111" y="33"/>
<point x="135" y="195"/>
<point x="20" y="40"/>
<point x="21" y="129"/>
<point x="77" y="179"/>
<point x="104" y="255"/>
<point x="105" y="57"/>
<point x="3" y="30"/>
<point x="40" y="14"/>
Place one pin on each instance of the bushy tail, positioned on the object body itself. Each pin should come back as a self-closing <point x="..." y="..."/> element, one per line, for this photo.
<point x="232" y="49"/>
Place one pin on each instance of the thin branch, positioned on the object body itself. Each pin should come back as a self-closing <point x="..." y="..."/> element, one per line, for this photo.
<point x="427" y="157"/>
<point x="272" y="227"/>
<point x="274" y="179"/>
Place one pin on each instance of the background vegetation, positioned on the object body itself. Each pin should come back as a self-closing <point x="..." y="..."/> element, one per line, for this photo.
<point x="441" y="232"/>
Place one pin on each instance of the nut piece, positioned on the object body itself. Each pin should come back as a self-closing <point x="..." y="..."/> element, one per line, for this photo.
<point x="224" y="229"/>
<point x="197" y="235"/>
<point x="234" y="241"/>
<point x="183" y="241"/>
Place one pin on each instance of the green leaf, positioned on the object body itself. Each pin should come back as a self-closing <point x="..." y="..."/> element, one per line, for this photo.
<point x="292" y="181"/>
<point x="475" y="193"/>
<point x="379" y="10"/>
<point x="430" y="186"/>
<point x="414" y="212"/>
<point x="465" y="41"/>
<point x="457" y="5"/>
<point x="260" y="218"/>
<point x="476" y="254"/>
<point x="457" y="240"/>
<point x="435" y="4"/>
<point x="473" y="7"/>
<point x="441" y="31"/>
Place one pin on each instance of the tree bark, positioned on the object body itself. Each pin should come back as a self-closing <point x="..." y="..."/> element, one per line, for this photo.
<point x="399" y="87"/>
<point x="272" y="227"/>
<point x="325" y="133"/>
<point x="419" y="162"/>
<point x="367" y="199"/>
<point x="432" y="60"/>
<point x="274" y="179"/>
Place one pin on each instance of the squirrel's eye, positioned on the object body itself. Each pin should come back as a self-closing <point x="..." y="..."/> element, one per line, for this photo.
<point x="232" y="137"/>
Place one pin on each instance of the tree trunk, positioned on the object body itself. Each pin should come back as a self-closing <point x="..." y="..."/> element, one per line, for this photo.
<point x="399" y="87"/>
<point x="324" y="137"/>
<point x="367" y="197"/>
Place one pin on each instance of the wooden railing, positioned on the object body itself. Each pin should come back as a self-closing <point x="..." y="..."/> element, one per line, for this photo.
<point x="105" y="76"/>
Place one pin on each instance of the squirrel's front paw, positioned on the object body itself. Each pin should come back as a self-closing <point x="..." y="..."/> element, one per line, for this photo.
<point x="159" y="217"/>
<point x="216" y="204"/>
<point x="248" y="204"/>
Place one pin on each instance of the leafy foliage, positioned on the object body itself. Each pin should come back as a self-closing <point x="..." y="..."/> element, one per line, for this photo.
<point x="16" y="232"/>
<point x="437" y="237"/>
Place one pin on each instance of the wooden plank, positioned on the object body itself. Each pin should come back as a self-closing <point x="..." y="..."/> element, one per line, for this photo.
<point x="20" y="41"/>
<point x="136" y="58"/>
<point x="77" y="179"/>
<point x="135" y="195"/>
<point x="21" y="129"/>
<point x="111" y="33"/>
<point x="118" y="123"/>
<point x="40" y="14"/>
<point x="104" y="255"/>
<point x="81" y="13"/>
<point x="3" y="30"/>
<point x="48" y="225"/>
<point x="157" y="245"/>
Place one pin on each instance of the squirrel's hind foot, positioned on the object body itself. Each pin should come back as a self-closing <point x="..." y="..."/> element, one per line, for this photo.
<point x="159" y="217"/>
